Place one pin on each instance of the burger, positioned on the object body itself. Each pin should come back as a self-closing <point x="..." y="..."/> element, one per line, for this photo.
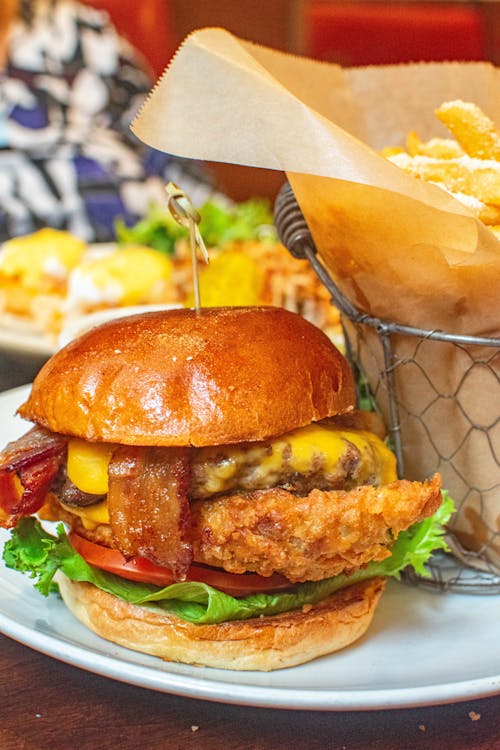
<point x="220" y="501"/>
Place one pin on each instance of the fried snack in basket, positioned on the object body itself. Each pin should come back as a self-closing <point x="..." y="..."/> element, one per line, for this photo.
<point x="467" y="166"/>
<point x="437" y="148"/>
<point x="473" y="130"/>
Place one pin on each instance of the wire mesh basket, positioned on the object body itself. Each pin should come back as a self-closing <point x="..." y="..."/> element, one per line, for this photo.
<point x="393" y="364"/>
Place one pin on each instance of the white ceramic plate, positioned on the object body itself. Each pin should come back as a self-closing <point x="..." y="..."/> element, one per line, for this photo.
<point x="422" y="648"/>
<point x="20" y="338"/>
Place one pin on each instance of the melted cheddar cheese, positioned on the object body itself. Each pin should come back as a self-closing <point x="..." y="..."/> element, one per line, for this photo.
<point x="314" y="449"/>
<point x="88" y="465"/>
<point x="91" y="515"/>
<point x="317" y="450"/>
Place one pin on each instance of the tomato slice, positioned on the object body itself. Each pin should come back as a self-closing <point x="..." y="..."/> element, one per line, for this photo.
<point x="145" y="571"/>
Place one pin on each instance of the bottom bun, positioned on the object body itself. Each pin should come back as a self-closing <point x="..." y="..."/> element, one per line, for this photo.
<point x="262" y="643"/>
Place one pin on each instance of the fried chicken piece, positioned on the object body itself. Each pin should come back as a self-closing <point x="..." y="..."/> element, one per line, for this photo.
<point x="312" y="537"/>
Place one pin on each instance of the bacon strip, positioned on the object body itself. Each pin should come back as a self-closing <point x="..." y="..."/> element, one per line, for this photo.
<point x="148" y="505"/>
<point x="34" y="459"/>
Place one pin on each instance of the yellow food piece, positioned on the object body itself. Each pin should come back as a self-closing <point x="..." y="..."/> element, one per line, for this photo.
<point x="128" y="276"/>
<point x="303" y="448"/>
<point x="475" y="177"/>
<point x="88" y="465"/>
<point x="439" y="148"/>
<point x="232" y="278"/>
<point x="472" y="128"/>
<point x="300" y="450"/>
<point x="375" y="452"/>
<point x="45" y="254"/>
<point x="91" y="515"/>
<point x="391" y="151"/>
<point x="467" y="167"/>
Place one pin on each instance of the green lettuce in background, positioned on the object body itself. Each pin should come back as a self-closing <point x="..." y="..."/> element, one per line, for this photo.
<point x="34" y="551"/>
<point x="220" y="224"/>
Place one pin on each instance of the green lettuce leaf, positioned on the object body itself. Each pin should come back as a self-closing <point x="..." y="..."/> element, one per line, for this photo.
<point x="34" y="551"/>
<point x="158" y="229"/>
<point x="220" y="224"/>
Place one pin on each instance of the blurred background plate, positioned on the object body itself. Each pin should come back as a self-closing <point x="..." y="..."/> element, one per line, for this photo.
<point x="22" y="339"/>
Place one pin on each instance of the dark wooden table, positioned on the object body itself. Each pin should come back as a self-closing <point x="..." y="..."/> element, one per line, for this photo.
<point x="47" y="705"/>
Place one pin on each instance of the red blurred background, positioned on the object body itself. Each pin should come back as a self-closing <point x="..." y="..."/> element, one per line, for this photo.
<point x="348" y="33"/>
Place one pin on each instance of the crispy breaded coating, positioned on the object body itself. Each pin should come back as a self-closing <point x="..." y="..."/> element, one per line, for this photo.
<point x="312" y="537"/>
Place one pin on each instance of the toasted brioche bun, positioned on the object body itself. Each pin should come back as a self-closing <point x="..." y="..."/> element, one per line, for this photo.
<point x="186" y="377"/>
<point x="262" y="643"/>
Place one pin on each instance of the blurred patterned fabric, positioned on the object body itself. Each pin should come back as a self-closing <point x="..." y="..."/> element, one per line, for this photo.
<point x="68" y="92"/>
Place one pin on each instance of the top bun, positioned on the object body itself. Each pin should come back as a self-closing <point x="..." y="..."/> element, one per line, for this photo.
<point x="187" y="377"/>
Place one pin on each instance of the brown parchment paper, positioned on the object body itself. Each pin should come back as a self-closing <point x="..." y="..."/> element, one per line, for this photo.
<point x="398" y="248"/>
